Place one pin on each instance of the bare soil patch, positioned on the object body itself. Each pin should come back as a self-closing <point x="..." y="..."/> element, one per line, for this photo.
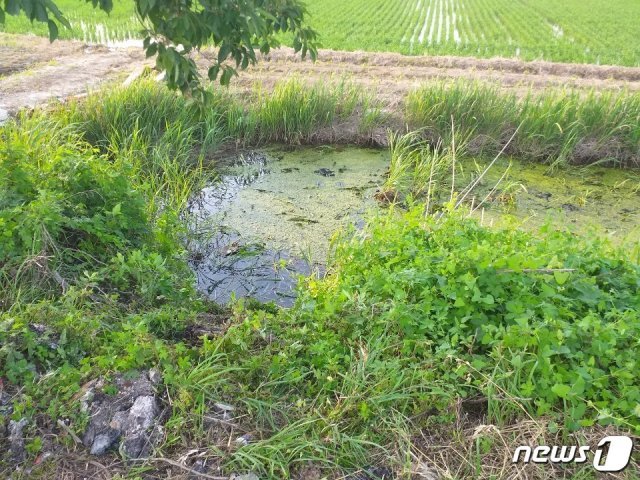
<point x="34" y="71"/>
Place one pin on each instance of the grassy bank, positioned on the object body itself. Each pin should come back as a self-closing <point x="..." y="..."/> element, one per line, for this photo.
<point x="561" y="127"/>
<point x="434" y="345"/>
<point x="555" y="127"/>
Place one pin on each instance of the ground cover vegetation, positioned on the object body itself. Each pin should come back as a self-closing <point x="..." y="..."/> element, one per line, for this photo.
<point x="574" y="31"/>
<point x="425" y="321"/>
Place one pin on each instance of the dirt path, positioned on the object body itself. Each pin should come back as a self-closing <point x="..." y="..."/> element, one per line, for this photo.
<point x="33" y="71"/>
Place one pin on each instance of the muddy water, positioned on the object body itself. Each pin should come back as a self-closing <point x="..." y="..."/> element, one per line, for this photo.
<point x="271" y="216"/>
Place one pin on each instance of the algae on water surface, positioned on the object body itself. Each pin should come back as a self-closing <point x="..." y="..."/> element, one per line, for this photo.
<point x="600" y="199"/>
<point x="271" y="216"/>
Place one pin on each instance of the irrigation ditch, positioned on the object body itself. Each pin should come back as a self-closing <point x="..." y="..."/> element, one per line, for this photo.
<point x="272" y="213"/>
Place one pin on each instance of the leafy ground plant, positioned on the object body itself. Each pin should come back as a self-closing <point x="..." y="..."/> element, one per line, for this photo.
<point x="423" y="319"/>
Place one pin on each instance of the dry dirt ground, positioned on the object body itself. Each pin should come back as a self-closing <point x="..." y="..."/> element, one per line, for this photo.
<point x="34" y="71"/>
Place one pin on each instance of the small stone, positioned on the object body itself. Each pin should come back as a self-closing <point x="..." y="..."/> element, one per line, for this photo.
<point x="126" y="421"/>
<point x="142" y="413"/>
<point x="4" y="116"/>
<point x="86" y="399"/>
<point x="16" y="440"/>
<point x="39" y="328"/>
<point x="103" y="442"/>
<point x="154" y="376"/>
<point x="243" y="440"/>
<point x="223" y="407"/>
<point x="244" y="476"/>
<point x="119" y="420"/>
<point x="133" y="76"/>
<point x="134" y="446"/>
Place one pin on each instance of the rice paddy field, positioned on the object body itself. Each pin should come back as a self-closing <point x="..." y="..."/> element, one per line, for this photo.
<point x="587" y="31"/>
<point x="576" y="31"/>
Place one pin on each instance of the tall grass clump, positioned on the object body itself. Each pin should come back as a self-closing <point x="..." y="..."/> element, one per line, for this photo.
<point x="293" y="111"/>
<point x="556" y="127"/>
<point x="145" y="110"/>
<point x="155" y="131"/>
<point x="416" y="167"/>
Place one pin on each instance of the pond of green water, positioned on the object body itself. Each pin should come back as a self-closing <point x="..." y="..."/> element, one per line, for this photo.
<point x="271" y="215"/>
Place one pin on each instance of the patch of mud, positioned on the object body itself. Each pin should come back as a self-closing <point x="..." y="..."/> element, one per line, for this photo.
<point x="270" y="218"/>
<point x="392" y="75"/>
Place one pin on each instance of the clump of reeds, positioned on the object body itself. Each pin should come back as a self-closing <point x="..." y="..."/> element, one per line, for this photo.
<point x="557" y="127"/>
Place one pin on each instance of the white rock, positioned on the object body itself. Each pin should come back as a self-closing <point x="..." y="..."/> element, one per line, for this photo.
<point x="244" y="476"/>
<point x="224" y="407"/>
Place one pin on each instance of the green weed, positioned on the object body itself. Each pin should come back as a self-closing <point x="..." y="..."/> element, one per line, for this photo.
<point x="555" y="127"/>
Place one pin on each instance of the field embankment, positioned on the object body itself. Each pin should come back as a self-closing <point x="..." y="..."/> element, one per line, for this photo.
<point x="34" y="71"/>
<point x="365" y="94"/>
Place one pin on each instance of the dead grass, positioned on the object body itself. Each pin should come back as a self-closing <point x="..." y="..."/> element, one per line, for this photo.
<point x="485" y="451"/>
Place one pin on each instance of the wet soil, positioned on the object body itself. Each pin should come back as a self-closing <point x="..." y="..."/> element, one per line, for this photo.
<point x="34" y="71"/>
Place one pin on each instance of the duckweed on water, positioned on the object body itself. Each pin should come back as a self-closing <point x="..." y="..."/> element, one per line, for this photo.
<point x="289" y="204"/>
<point x="272" y="216"/>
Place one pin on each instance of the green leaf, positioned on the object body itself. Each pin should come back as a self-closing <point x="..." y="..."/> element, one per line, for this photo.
<point x="152" y="50"/>
<point x="53" y="30"/>
<point x="226" y="76"/>
<point x="27" y="8"/>
<point x="52" y="7"/>
<point x="12" y="6"/>
<point x="40" y="13"/>
<point x="561" y="390"/>
<point x="106" y="5"/>
<point x="213" y="72"/>
<point x="223" y="53"/>
<point x="561" y="277"/>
